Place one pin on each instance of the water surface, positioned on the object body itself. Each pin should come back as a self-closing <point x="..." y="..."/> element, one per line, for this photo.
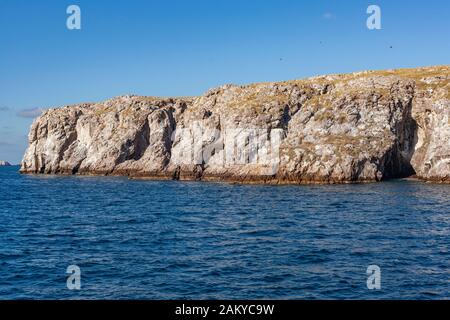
<point x="174" y="240"/>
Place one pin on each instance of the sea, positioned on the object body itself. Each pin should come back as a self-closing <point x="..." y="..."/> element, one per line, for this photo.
<point x="83" y="237"/>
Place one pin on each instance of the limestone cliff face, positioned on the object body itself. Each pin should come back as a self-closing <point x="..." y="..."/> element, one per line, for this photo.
<point x="367" y="126"/>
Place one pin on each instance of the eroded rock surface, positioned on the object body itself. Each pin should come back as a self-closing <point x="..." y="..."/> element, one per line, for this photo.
<point x="367" y="126"/>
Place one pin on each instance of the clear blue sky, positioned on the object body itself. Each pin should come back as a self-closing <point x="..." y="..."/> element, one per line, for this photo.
<point x="179" y="48"/>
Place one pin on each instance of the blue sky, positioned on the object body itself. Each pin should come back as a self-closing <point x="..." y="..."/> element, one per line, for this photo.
<point x="180" y="48"/>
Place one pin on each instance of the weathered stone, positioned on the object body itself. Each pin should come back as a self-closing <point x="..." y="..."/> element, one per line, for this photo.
<point x="367" y="126"/>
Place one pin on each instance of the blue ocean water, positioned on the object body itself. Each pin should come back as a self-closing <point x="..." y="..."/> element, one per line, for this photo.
<point x="135" y="239"/>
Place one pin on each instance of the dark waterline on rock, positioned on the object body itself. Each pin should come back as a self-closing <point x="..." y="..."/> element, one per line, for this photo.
<point x="138" y="239"/>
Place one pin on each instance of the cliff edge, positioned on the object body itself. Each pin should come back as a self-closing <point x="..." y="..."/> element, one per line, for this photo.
<point x="366" y="126"/>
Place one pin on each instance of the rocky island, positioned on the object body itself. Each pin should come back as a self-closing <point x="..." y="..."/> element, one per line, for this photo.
<point x="359" y="127"/>
<point x="4" y="163"/>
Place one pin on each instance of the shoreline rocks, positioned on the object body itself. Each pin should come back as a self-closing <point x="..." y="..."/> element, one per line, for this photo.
<point x="360" y="127"/>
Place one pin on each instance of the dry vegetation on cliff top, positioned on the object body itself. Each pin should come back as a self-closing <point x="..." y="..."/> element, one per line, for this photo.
<point x="256" y="95"/>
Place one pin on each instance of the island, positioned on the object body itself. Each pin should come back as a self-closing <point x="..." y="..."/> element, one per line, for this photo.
<point x="361" y="127"/>
<point x="4" y="163"/>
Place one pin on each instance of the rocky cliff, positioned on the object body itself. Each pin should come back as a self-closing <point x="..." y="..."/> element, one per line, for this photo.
<point x="4" y="163"/>
<point x="367" y="126"/>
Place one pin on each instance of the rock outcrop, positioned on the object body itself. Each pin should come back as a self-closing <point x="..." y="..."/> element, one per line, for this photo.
<point x="367" y="126"/>
<point x="4" y="163"/>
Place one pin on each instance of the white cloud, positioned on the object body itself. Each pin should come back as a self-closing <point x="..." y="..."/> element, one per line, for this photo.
<point x="30" y="113"/>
